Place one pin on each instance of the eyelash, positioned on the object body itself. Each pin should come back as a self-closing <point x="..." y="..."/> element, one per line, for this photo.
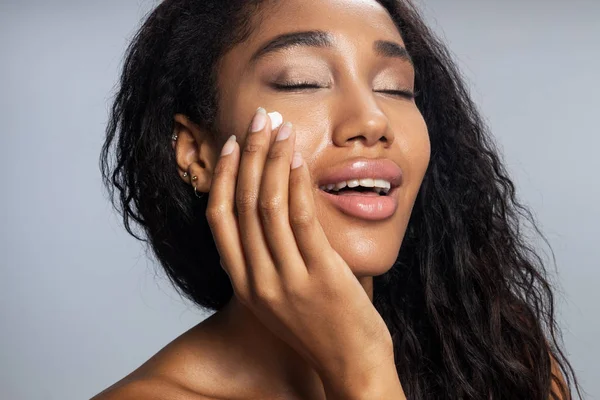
<point x="296" y="86"/>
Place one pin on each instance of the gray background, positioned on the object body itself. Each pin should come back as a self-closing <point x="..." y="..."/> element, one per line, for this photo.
<point x="82" y="304"/>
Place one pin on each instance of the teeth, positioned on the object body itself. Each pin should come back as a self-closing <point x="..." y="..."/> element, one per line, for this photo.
<point x="378" y="185"/>
<point x="367" y="182"/>
<point x="382" y="184"/>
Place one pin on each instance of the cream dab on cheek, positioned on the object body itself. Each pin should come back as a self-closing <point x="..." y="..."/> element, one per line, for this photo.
<point x="276" y="120"/>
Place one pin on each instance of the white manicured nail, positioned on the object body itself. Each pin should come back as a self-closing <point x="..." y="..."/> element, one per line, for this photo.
<point x="276" y="120"/>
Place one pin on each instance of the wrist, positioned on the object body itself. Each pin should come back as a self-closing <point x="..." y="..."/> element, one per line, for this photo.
<point x="380" y="383"/>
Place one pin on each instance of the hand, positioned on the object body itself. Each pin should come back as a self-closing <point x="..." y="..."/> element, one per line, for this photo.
<point x="281" y="264"/>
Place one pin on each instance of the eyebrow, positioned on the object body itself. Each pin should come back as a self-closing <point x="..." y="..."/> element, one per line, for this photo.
<point x="386" y="48"/>
<point x="321" y="39"/>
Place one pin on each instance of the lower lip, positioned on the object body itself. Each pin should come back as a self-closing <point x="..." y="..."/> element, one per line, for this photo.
<point x="371" y="208"/>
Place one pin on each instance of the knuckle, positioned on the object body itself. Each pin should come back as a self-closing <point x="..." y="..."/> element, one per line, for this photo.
<point x="302" y="219"/>
<point x="278" y="153"/>
<point x="215" y="213"/>
<point x="252" y="146"/>
<point x="223" y="169"/>
<point x="296" y="292"/>
<point x="270" y="205"/>
<point x="266" y="295"/>
<point x="246" y="201"/>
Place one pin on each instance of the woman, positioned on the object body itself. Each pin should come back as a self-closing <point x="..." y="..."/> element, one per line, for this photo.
<point x="368" y="248"/>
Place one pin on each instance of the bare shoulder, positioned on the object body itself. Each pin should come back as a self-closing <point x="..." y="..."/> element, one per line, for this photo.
<point x="149" y="389"/>
<point x="188" y="368"/>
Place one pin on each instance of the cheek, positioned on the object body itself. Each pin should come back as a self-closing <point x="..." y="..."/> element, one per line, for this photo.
<point x="311" y="124"/>
<point x="413" y="142"/>
<point x="312" y="139"/>
<point x="237" y="109"/>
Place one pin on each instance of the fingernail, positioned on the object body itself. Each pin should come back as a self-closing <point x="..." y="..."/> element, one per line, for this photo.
<point x="229" y="146"/>
<point x="297" y="161"/>
<point x="260" y="120"/>
<point x="276" y="120"/>
<point x="284" y="132"/>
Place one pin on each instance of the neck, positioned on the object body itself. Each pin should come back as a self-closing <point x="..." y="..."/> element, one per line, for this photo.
<point x="271" y="358"/>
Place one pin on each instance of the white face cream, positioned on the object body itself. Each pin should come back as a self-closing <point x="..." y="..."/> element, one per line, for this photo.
<point x="276" y="120"/>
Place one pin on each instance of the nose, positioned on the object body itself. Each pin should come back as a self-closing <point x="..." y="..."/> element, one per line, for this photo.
<point x="359" y="118"/>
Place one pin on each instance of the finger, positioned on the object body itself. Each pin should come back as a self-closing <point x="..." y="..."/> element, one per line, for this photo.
<point x="260" y="268"/>
<point x="310" y="237"/>
<point x="221" y="216"/>
<point x="274" y="208"/>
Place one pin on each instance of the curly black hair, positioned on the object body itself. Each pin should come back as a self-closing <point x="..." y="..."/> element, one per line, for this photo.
<point x="468" y="301"/>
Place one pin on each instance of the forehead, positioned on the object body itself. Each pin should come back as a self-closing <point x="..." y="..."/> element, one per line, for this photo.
<point x="346" y="20"/>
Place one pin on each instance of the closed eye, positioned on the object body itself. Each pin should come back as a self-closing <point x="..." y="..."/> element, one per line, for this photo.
<point x="296" y="86"/>
<point x="407" y="94"/>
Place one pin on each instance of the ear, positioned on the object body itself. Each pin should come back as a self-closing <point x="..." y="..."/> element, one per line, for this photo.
<point x="195" y="153"/>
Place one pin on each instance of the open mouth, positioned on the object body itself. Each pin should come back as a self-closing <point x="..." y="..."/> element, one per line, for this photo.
<point x="363" y="202"/>
<point x="359" y="191"/>
<point x="363" y="187"/>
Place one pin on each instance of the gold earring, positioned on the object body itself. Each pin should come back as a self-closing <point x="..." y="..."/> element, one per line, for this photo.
<point x="194" y="179"/>
<point x="196" y="193"/>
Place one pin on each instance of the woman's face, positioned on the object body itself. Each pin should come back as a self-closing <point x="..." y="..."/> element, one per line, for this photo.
<point x="355" y="61"/>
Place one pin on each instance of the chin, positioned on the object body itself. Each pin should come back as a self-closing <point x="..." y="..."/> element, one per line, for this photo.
<point x="370" y="248"/>
<point x="362" y="266"/>
<point x="370" y="252"/>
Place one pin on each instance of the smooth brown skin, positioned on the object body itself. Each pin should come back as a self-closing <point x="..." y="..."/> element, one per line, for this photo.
<point x="235" y="353"/>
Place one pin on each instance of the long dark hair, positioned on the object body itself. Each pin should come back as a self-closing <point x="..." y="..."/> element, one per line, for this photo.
<point x="468" y="301"/>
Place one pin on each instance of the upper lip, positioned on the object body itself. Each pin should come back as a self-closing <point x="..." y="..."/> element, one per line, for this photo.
<point x="363" y="168"/>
